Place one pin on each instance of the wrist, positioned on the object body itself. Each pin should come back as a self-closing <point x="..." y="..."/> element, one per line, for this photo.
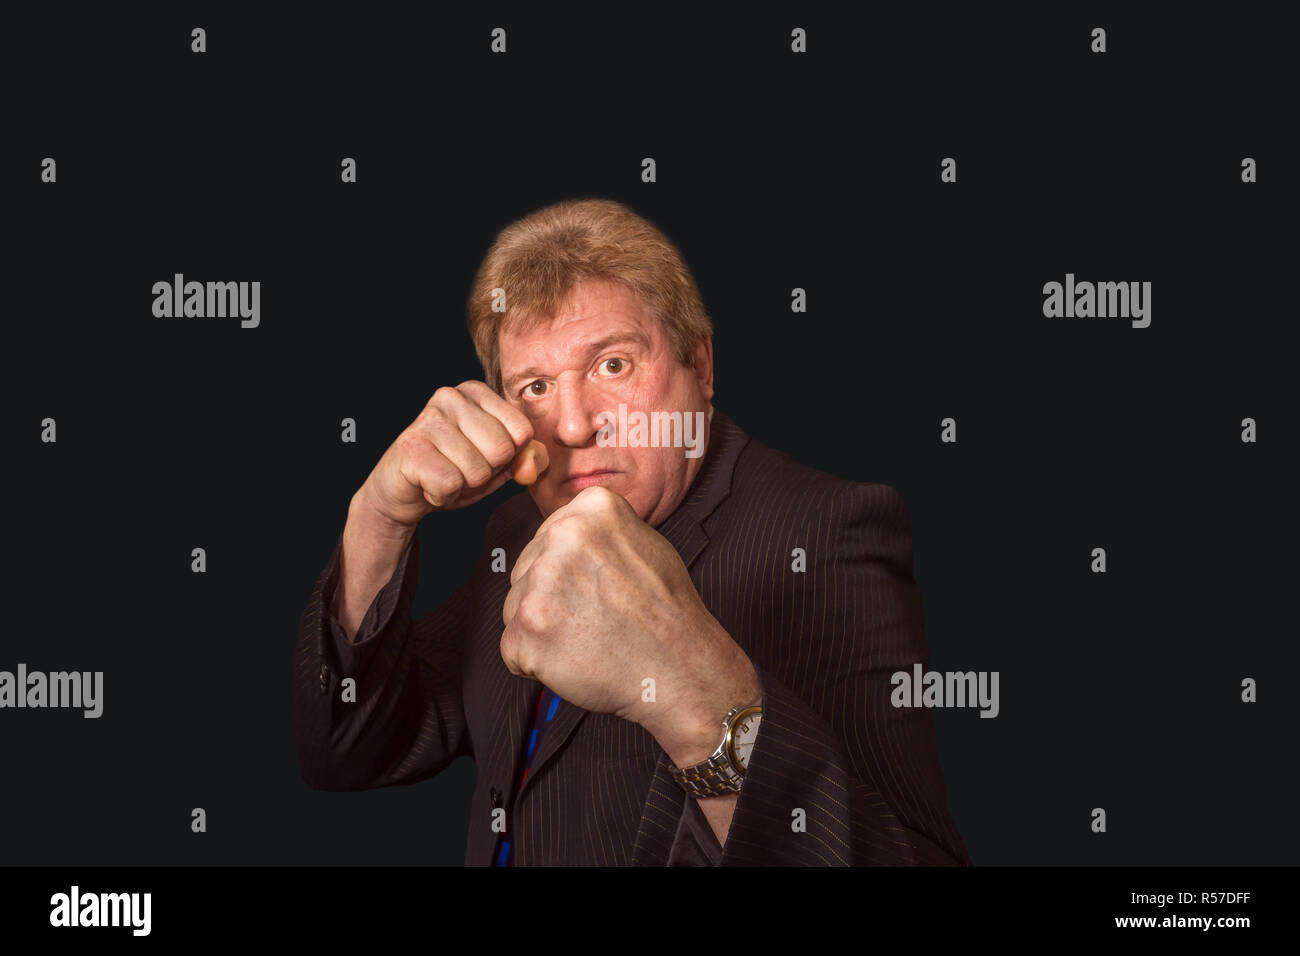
<point x="693" y="739"/>
<point x="372" y="548"/>
<point x="692" y="734"/>
<point x="370" y="522"/>
<point x="721" y="775"/>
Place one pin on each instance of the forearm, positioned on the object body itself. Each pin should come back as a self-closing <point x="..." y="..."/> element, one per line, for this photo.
<point x="695" y="733"/>
<point x="718" y="811"/>
<point x="372" y="549"/>
<point x="391" y="726"/>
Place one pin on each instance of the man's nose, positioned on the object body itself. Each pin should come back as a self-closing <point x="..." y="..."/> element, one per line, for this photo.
<point x="576" y="406"/>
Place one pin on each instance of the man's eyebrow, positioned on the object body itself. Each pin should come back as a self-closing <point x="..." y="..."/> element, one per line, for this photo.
<point x="617" y="338"/>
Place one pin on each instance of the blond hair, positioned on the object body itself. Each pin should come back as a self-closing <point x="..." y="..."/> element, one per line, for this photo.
<point x="538" y="259"/>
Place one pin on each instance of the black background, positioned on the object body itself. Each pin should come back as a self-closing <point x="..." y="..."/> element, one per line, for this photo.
<point x="775" y="171"/>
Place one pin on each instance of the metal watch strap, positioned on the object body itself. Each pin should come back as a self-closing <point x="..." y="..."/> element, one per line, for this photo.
<point x="712" y="778"/>
<point x="715" y="776"/>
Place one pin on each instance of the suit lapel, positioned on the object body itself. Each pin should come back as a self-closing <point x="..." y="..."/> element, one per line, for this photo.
<point x="515" y="699"/>
<point x="657" y="818"/>
<point x="562" y="725"/>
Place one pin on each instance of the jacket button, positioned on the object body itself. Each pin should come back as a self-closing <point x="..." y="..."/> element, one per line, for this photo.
<point x="324" y="678"/>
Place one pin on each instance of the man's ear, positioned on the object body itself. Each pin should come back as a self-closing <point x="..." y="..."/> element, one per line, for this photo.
<point x="703" y="367"/>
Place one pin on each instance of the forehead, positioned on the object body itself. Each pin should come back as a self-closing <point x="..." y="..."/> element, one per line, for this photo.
<point x="594" y="310"/>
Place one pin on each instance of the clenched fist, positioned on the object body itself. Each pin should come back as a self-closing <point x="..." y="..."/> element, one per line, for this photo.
<point x="600" y="601"/>
<point x="465" y="444"/>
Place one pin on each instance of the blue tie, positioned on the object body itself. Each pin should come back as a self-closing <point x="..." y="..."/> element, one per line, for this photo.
<point x="547" y="703"/>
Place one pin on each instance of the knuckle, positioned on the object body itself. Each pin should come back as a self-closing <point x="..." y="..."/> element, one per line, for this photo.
<point x="408" y="444"/>
<point x="434" y="420"/>
<point x="446" y="479"/>
<point x="478" y="473"/>
<point x="567" y="532"/>
<point x="602" y="498"/>
<point x="516" y="650"/>
<point x="542" y="570"/>
<point x="521" y="429"/>
<point x="531" y="614"/>
<point x="499" y="451"/>
<point x="508" y="653"/>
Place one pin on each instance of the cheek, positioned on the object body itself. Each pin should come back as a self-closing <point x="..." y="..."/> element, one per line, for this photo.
<point x="648" y="466"/>
<point x="646" y="396"/>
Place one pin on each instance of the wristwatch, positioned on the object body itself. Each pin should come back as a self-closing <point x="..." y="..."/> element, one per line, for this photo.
<point x="724" y="771"/>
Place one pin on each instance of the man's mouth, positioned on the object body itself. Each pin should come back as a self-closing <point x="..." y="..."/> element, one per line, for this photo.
<point x="585" y="479"/>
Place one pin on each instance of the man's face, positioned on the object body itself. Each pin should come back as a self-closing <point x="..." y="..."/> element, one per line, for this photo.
<point x="605" y="348"/>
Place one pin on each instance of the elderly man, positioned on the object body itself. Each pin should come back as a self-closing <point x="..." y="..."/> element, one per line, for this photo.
<point x="675" y="648"/>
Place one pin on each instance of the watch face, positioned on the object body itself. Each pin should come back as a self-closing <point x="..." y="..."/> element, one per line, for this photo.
<point x="744" y="733"/>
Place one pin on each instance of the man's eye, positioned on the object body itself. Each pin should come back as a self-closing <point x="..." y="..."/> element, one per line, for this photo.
<point x="536" y="389"/>
<point x="618" y="363"/>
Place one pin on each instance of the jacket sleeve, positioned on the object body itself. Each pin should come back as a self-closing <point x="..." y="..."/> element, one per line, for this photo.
<point x="838" y="775"/>
<point x="403" y="721"/>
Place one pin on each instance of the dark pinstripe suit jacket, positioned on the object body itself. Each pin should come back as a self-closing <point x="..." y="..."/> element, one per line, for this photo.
<point x="824" y="642"/>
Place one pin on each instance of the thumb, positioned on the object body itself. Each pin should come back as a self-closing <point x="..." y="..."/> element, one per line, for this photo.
<point x="530" y="463"/>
